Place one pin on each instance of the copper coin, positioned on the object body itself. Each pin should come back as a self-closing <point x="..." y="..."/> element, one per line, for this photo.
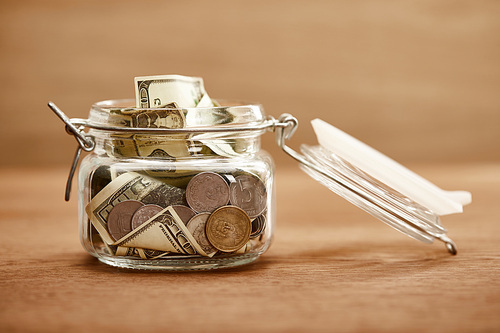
<point x="249" y="193"/>
<point x="196" y="227"/>
<point x="206" y="192"/>
<point x="185" y="213"/>
<point x="143" y="214"/>
<point x="228" y="228"/>
<point x="120" y="218"/>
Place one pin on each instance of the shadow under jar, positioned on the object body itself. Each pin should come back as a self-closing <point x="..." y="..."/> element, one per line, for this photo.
<point x="176" y="189"/>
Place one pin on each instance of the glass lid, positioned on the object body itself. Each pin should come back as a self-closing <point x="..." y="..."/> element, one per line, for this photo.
<point x="375" y="183"/>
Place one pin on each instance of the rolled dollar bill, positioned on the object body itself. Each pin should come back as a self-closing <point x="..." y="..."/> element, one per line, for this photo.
<point x="163" y="232"/>
<point x="122" y="251"/>
<point x="151" y="254"/>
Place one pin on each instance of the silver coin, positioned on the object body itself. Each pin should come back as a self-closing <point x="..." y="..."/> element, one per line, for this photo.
<point x="120" y="218"/>
<point x="258" y="226"/>
<point x="143" y="214"/>
<point x="249" y="193"/>
<point x="185" y="213"/>
<point x="206" y="192"/>
<point x="196" y="226"/>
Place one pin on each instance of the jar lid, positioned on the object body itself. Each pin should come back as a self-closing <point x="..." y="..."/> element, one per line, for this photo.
<point x="375" y="183"/>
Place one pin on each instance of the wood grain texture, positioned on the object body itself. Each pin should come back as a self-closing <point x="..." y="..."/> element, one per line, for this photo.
<point x="417" y="79"/>
<point x="331" y="267"/>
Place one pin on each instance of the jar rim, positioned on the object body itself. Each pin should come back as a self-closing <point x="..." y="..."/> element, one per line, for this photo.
<point x="109" y="115"/>
<point x="128" y="105"/>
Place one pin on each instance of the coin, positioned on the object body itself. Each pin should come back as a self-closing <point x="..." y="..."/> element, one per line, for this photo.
<point x="258" y="226"/>
<point x="196" y="226"/>
<point x="228" y="228"/>
<point x="120" y="218"/>
<point x="185" y="213"/>
<point x="143" y="214"/>
<point x="206" y="192"/>
<point x="249" y="193"/>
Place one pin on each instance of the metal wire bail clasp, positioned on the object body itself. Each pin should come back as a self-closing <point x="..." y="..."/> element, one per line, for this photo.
<point x="288" y="126"/>
<point x="85" y="142"/>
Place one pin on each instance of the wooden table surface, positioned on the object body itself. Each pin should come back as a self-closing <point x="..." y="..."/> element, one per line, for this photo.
<point x="332" y="267"/>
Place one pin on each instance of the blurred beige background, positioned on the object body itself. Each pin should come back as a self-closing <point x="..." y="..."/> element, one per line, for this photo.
<point x="418" y="80"/>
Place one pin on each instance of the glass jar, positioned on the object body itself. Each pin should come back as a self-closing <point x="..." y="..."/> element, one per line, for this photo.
<point x="190" y="188"/>
<point x="176" y="189"/>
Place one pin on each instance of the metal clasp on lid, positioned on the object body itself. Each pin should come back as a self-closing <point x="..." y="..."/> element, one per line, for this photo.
<point x="85" y="142"/>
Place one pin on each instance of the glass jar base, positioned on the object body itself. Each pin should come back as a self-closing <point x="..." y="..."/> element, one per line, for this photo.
<point x="171" y="264"/>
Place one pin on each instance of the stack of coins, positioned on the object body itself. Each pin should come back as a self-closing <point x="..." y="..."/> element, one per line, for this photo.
<point x="226" y="211"/>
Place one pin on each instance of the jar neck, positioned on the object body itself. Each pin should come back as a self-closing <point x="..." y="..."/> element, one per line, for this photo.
<point x="176" y="146"/>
